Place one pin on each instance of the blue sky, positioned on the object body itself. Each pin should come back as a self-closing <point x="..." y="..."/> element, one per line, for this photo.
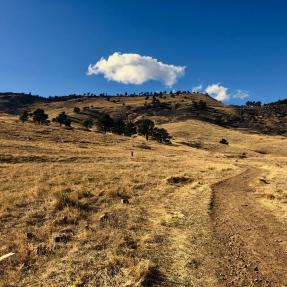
<point x="46" y="46"/>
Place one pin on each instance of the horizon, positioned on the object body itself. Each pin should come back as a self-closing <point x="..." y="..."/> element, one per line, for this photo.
<point x="233" y="51"/>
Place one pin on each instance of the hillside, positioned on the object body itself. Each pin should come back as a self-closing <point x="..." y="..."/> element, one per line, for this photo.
<point x="267" y="119"/>
<point x="15" y="102"/>
<point x="87" y="208"/>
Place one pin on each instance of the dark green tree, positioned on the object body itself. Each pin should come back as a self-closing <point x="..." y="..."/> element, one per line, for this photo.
<point x="40" y="117"/>
<point x="88" y="123"/>
<point x="130" y="129"/>
<point x="145" y="127"/>
<point x="161" y="135"/>
<point x="201" y="105"/>
<point x="155" y="101"/>
<point x="105" y="123"/>
<point x="76" y="110"/>
<point x="119" y="127"/>
<point x="62" y="119"/>
<point x="68" y="122"/>
<point x="24" y="117"/>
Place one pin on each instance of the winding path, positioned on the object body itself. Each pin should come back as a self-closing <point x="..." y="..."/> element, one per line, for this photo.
<point x="250" y="244"/>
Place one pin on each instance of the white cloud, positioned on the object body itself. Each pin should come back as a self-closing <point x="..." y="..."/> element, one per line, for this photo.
<point x="218" y="92"/>
<point x="240" y="94"/>
<point x="197" y="88"/>
<point x="135" y="69"/>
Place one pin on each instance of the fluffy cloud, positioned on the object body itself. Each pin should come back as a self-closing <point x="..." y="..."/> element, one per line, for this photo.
<point x="197" y="88"/>
<point x="240" y="94"/>
<point x="218" y="92"/>
<point x="135" y="69"/>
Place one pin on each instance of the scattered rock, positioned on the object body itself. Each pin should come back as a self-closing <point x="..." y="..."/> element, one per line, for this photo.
<point x="30" y="235"/>
<point x="63" y="238"/>
<point x="124" y="200"/>
<point x="179" y="180"/>
<point x="104" y="217"/>
<point x="224" y="141"/>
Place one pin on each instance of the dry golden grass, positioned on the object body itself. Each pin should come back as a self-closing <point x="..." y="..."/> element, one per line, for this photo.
<point x="78" y="210"/>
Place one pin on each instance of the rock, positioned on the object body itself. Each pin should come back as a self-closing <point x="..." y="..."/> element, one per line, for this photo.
<point x="62" y="238"/>
<point x="124" y="200"/>
<point x="104" y="217"/>
<point x="30" y="235"/>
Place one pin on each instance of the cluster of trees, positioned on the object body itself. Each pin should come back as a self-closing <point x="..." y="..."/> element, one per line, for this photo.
<point x="39" y="116"/>
<point x="105" y="123"/>
<point x="253" y="104"/>
<point x="145" y="127"/>
<point x="141" y="94"/>
<point x="279" y="102"/>
<point x="201" y="105"/>
<point x="63" y="119"/>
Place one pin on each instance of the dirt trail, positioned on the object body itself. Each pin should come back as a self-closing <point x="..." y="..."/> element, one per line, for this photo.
<point x="248" y="239"/>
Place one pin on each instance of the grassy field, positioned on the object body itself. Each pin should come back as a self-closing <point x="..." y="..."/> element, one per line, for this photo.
<point x="78" y="209"/>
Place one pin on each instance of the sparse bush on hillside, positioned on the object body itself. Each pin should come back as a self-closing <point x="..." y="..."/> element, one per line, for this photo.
<point x="145" y="127"/>
<point x="130" y="129"/>
<point x="63" y="119"/>
<point x="76" y="110"/>
<point x="64" y="200"/>
<point x="105" y="123"/>
<point x="155" y="100"/>
<point x="88" y="123"/>
<point x="119" y="127"/>
<point x="201" y="105"/>
<point x="224" y="141"/>
<point x="179" y="180"/>
<point x="24" y="117"/>
<point x="161" y="135"/>
<point x="68" y="122"/>
<point x="40" y="117"/>
<point x="253" y="104"/>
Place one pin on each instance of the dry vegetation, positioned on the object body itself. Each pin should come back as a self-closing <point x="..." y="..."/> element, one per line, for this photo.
<point x="78" y="210"/>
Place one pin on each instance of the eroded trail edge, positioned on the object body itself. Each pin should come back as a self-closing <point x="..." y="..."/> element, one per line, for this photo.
<point x="249" y="241"/>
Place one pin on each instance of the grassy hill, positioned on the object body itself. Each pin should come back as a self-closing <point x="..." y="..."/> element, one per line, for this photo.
<point x="268" y="119"/>
<point x="14" y="102"/>
<point x="86" y="208"/>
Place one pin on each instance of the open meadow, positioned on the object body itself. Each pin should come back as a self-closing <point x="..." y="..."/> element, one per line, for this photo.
<point x="86" y="208"/>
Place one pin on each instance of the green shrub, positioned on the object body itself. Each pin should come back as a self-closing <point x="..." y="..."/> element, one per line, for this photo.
<point x="76" y="110"/>
<point x="24" y="117"/>
<point x="88" y="123"/>
<point x="145" y="127"/>
<point x="40" y="117"/>
<point x="161" y="135"/>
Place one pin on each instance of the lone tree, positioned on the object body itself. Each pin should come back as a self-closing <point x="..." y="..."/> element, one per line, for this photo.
<point x="105" y="123"/>
<point x="119" y="127"/>
<point x="24" y="117"/>
<point x="130" y="129"/>
<point x="63" y="119"/>
<point x="76" y="110"/>
<point x="145" y="127"/>
<point x="161" y="135"/>
<point x="88" y="123"/>
<point x="40" y="117"/>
